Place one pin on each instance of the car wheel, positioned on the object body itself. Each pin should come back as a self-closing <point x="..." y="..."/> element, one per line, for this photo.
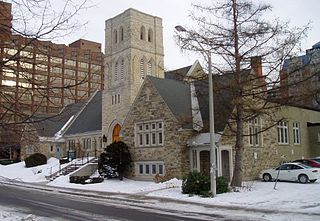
<point x="303" y="178"/>
<point x="312" y="181"/>
<point x="266" y="177"/>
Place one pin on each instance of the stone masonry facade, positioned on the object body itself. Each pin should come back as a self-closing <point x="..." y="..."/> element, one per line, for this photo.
<point x="134" y="44"/>
<point x="174" y="153"/>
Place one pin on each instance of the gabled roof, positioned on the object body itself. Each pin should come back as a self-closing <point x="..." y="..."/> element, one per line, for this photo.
<point x="49" y="125"/>
<point x="178" y="74"/>
<point x="90" y="118"/>
<point x="223" y="99"/>
<point x="176" y="94"/>
<point x="188" y="73"/>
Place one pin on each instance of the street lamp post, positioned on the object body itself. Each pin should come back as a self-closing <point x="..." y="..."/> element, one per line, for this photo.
<point x="211" y="114"/>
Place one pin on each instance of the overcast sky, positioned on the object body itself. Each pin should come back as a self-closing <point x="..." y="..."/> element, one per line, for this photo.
<point x="174" y="12"/>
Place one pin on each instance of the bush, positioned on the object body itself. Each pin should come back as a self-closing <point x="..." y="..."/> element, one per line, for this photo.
<point x="199" y="184"/>
<point x="196" y="183"/>
<point x="222" y="185"/>
<point x="78" y="179"/>
<point x="85" y="179"/>
<point x="35" y="160"/>
<point x="115" y="160"/>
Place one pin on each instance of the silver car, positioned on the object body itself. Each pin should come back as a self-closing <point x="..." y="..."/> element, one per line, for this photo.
<point x="292" y="172"/>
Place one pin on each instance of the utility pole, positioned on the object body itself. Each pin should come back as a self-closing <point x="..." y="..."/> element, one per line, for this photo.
<point x="213" y="163"/>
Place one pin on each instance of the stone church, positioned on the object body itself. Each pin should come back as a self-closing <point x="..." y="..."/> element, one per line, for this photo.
<point x="163" y="116"/>
<point x="133" y="50"/>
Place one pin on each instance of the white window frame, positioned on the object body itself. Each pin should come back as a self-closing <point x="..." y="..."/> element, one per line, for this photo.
<point x="296" y="133"/>
<point x="254" y="131"/>
<point x="149" y="134"/>
<point x="146" y="168"/>
<point x="283" y="132"/>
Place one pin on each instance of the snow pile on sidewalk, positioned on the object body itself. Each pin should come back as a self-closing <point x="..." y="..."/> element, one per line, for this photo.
<point x="287" y="196"/>
<point x="117" y="186"/>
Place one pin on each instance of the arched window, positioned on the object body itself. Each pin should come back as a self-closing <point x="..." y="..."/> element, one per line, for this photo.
<point x="142" y="69"/>
<point x="122" y="69"/>
<point x="149" y="68"/>
<point x="116" y="72"/>
<point x="150" y="35"/>
<point x="116" y="133"/>
<point x="115" y="36"/>
<point x="121" y="33"/>
<point x="142" y="33"/>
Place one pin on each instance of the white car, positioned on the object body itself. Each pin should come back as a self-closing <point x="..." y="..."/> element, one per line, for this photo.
<point x="292" y="172"/>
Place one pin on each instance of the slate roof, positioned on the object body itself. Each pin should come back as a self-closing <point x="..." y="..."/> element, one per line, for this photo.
<point x="90" y="118"/>
<point x="178" y="74"/>
<point x="49" y="125"/>
<point x="304" y="59"/>
<point x="176" y="94"/>
<point x="222" y="96"/>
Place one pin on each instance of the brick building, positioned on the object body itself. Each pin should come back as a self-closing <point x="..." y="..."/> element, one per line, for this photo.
<point x="41" y="77"/>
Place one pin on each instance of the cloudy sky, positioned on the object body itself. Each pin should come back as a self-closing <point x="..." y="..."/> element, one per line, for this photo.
<point x="174" y="12"/>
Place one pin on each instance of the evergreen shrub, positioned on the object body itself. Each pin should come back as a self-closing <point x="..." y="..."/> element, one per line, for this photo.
<point x="197" y="183"/>
<point x="35" y="159"/>
<point x="115" y="160"/>
<point x="222" y="185"/>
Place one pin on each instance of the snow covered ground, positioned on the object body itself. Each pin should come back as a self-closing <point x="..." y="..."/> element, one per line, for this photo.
<point x="288" y="197"/>
<point x="11" y="214"/>
<point x="19" y="172"/>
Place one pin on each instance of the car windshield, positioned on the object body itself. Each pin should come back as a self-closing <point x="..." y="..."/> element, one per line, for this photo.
<point x="317" y="159"/>
<point x="304" y="166"/>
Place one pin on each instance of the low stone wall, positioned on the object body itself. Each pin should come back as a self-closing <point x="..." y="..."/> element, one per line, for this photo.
<point x="86" y="170"/>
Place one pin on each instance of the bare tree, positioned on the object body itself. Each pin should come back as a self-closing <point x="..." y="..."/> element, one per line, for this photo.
<point x="235" y="33"/>
<point x="31" y="65"/>
<point x="25" y="52"/>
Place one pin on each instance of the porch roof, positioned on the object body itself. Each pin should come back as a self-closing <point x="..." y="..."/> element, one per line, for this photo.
<point x="203" y="139"/>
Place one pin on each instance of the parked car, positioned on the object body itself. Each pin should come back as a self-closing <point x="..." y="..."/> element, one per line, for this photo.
<point x="292" y="172"/>
<point x="309" y="162"/>
<point x="317" y="159"/>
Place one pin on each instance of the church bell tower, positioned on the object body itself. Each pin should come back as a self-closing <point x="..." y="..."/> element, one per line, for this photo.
<point x="133" y="50"/>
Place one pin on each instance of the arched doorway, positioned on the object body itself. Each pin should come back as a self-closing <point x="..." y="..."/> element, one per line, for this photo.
<point x="116" y="133"/>
<point x="205" y="162"/>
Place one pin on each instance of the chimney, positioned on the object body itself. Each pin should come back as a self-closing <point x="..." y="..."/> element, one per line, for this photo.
<point x="284" y="91"/>
<point x="256" y="66"/>
<point x="5" y="19"/>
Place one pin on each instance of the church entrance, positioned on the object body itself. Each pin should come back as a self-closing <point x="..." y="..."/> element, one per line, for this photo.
<point x="116" y="133"/>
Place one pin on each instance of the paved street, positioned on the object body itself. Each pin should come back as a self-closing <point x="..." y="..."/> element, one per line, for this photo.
<point x="59" y="206"/>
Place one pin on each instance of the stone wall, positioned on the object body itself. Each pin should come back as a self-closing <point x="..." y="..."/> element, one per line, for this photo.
<point x="174" y="153"/>
<point x="86" y="170"/>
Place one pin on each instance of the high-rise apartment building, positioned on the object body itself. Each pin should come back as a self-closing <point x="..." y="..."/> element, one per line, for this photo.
<point x="42" y="77"/>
